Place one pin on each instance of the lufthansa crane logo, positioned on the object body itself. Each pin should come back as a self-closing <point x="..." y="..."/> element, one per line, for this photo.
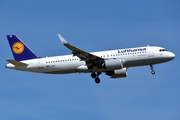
<point x="18" y="48"/>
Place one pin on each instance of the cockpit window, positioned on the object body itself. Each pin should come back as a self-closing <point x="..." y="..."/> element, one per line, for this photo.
<point x="161" y="50"/>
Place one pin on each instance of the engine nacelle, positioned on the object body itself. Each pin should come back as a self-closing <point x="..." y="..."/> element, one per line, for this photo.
<point x="118" y="73"/>
<point x="112" y="64"/>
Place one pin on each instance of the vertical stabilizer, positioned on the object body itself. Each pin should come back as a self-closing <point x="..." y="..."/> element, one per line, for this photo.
<point x="19" y="49"/>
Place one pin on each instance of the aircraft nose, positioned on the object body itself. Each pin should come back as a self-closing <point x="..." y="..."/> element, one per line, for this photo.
<point x="171" y="55"/>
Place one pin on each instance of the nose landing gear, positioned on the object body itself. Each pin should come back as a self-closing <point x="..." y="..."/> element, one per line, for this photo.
<point x="96" y="76"/>
<point x="152" y="69"/>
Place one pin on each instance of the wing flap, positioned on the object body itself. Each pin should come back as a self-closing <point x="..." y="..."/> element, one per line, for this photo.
<point x="17" y="63"/>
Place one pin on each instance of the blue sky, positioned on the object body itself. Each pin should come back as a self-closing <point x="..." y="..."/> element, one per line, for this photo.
<point x="93" y="26"/>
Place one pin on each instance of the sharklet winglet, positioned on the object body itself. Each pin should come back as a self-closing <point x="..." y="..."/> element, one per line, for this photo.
<point x="62" y="39"/>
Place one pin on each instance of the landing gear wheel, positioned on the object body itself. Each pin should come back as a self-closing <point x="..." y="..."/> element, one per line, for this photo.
<point x="96" y="76"/>
<point x="153" y="72"/>
<point x="97" y="80"/>
<point x="93" y="75"/>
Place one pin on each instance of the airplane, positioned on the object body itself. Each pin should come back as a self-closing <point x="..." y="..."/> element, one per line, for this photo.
<point x="113" y="63"/>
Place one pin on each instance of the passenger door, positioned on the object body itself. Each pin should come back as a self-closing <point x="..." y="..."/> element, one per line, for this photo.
<point x="150" y="52"/>
<point x="40" y="63"/>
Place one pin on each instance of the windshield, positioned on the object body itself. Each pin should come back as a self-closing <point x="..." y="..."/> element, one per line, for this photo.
<point x="161" y="50"/>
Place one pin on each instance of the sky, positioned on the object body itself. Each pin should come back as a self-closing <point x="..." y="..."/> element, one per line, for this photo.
<point x="92" y="25"/>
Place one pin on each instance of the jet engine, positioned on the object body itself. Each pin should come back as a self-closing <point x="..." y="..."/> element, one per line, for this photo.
<point x="112" y="64"/>
<point x="120" y="73"/>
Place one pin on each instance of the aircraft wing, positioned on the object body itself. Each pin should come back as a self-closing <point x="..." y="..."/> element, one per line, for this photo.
<point x="83" y="55"/>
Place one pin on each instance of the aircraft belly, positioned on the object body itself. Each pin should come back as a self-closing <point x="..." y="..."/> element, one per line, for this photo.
<point x="62" y="68"/>
<point x="142" y="62"/>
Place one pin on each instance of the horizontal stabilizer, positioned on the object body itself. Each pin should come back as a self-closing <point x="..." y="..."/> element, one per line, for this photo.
<point x="17" y="63"/>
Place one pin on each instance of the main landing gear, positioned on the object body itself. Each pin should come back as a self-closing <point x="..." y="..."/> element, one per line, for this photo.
<point x="96" y="77"/>
<point x="152" y="69"/>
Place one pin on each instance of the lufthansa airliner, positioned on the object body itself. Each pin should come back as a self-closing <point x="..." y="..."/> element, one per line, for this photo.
<point x="113" y="63"/>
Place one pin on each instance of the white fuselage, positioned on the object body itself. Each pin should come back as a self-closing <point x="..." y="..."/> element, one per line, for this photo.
<point x="70" y="64"/>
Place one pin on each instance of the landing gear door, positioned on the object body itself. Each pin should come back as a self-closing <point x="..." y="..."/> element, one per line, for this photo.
<point x="150" y="52"/>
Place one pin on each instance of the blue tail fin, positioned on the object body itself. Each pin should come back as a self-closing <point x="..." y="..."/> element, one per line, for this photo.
<point x="19" y="49"/>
